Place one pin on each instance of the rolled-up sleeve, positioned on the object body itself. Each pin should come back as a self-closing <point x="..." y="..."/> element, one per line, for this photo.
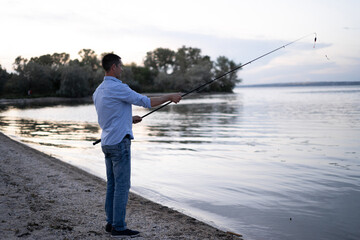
<point x="140" y="100"/>
<point x="128" y="95"/>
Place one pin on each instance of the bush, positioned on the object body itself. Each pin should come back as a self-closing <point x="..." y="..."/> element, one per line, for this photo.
<point x="74" y="81"/>
<point x="4" y="77"/>
<point x="38" y="78"/>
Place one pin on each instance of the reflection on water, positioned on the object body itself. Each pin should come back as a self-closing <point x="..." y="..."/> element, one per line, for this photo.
<point x="49" y="133"/>
<point x="6" y="104"/>
<point x="247" y="162"/>
<point x="192" y="119"/>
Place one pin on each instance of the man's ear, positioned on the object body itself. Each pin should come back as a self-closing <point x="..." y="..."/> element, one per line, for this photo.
<point x="112" y="67"/>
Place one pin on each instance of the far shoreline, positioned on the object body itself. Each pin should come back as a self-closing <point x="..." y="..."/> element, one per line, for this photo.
<point x="42" y="101"/>
<point x="302" y="84"/>
<point x="53" y="101"/>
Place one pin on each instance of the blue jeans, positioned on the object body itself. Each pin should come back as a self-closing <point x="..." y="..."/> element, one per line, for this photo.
<point x="118" y="170"/>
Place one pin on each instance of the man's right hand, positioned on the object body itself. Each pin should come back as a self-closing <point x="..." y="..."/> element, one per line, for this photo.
<point x="174" y="97"/>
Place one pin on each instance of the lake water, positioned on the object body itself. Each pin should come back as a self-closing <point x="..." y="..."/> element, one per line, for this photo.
<point x="269" y="163"/>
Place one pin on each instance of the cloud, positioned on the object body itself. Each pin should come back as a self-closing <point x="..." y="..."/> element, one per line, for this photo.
<point x="304" y="72"/>
<point x="39" y="27"/>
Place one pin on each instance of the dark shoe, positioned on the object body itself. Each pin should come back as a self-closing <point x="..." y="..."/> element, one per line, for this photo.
<point x="124" y="234"/>
<point x="108" y="228"/>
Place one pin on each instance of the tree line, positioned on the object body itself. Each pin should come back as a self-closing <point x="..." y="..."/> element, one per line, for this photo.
<point x="163" y="70"/>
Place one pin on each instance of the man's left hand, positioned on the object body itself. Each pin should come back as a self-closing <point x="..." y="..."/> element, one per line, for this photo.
<point x="136" y="119"/>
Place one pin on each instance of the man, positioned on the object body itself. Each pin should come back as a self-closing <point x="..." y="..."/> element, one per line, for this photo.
<point x="113" y="102"/>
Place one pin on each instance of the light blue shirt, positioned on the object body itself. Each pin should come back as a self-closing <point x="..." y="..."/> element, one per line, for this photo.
<point x="113" y="102"/>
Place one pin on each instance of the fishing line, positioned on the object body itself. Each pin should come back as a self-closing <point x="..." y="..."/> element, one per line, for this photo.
<point x="199" y="88"/>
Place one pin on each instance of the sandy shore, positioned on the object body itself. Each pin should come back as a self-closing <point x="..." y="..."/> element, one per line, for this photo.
<point x="44" y="198"/>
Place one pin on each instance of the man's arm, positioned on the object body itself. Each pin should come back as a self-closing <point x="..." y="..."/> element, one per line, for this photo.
<point x="156" y="101"/>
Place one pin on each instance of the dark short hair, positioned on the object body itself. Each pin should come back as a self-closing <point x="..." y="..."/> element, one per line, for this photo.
<point x="108" y="60"/>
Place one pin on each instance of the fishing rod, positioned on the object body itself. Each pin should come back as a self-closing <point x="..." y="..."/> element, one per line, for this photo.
<point x="199" y="88"/>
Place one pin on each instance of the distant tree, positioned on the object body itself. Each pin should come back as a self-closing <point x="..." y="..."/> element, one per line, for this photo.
<point x="187" y="57"/>
<point x="89" y="58"/>
<point x="196" y="75"/>
<point x="144" y="77"/>
<point x="35" y="75"/>
<point x="189" y="70"/>
<point x="45" y="60"/>
<point x="96" y="77"/>
<point x="60" y="59"/>
<point x="38" y="78"/>
<point x="127" y="76"/>
<point x="15" y="86"/>
<point x="165" y="82"/>
<point x="91" y="62"/>
<point x="74" y="81"/>
<point x="20" y="64"/>
<point x="228" y="82"/>
<point x="4" y="77"/>
<point x="160" y="60"/>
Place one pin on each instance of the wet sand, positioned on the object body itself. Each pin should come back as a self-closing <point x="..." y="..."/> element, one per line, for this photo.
<point x="42" y="197"/>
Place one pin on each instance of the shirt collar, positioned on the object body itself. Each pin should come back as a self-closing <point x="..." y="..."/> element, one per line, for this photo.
<point x="112" y="78"/>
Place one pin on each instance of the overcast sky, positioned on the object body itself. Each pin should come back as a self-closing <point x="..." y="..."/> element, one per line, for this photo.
<point x="240" y="30"/>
